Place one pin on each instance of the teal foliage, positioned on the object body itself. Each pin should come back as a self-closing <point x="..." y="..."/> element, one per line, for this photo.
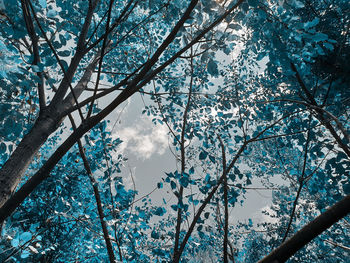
<point x="240" y="90"/>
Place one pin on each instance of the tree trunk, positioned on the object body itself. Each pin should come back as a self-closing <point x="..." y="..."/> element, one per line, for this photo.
<point x="309" y="232"/>
<point x="14" y="168"/>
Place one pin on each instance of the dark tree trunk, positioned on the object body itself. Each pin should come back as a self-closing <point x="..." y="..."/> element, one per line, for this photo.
<point x="15" y="167"/>
<point x="309" y="232"/>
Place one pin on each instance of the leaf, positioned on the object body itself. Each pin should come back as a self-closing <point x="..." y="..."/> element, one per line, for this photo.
<point x="212" y="68"/>
<point x="260" y="56"/>
<point x="298" y="4"/>
<point x="2" y="148"/>
<point x="253" y="3"/>
<point x="212" y="158"/>
<point x="328" y="46"/>
<point x="173" y="185"/>
<point x="25" y="254"/>
<point x="62" y="39"/>
<point x="235" y="26"/>
<point x="238" y="139"/>
<point x="320" y="37"/>
<point x="51" y="13"/>
<point x="26" y="236"/>
<point x="160" y="211"/>
<point x="15" y="242"/>
<point x="155" y="234"/>
<point x="174" y="207"/>
<point x="184" y="181"/>
<point x="203" y="155"/>
<point x="43" y="3"/>
<point x="346" y="188"/>
<point x="65" y="53"/>
<point x="312" y="23"/>
<point x="38" y="68"/>
<point x="248" y="181"/>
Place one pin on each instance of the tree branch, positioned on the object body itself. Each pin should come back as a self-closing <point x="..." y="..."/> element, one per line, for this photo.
<point x="104" y="43"/>
<point x="225" y="243"/>
<point x="309" y="232"/>
<point x="150" y="75"/>
<point x="97" y="196"/>
<point x="65" y="73"/>
<point x="301" y="184"/>
<point x="34" y="38"/>
<point x="320" y="115"/>
<point x="44" y="172"/>
<point x="79" y="54"/>
<point x="183" y="160"/>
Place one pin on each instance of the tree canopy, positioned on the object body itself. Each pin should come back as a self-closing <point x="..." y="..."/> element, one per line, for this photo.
<point x="254" y="95"/>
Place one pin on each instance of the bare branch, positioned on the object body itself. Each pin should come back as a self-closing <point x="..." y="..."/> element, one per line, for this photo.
<point x="34" y="38"/>
<point x="320" y="113"/>
<point x="104" y="43"/>
<point x="225" y="243"/>
<point x="301" y="184"/>
<point x="66" y="74"/>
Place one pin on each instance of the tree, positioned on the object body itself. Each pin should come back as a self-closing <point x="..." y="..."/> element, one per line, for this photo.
<point x="289" y="121"/>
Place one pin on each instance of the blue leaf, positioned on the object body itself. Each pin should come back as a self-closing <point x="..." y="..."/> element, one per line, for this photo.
<point x="160" y="211"/>
<point x="311" y="23"/>
<point x="15" y="242"/>
<point x="235" y="26"/>
<point x="203" y="155"/>
<point x="213" y="68"/>
<point x="43" y="3"/>
<point x="155" y="235"/>
<point x="2" y="148"/>
<point x="184" y="181"/>
<point x="64" y="53"/>
<point x="174" y="207"/>
<point x="328" y="46"/>
<point x="51" y="13"/>
<point x="173" y="185"/>
<point x="26" y="236"/>
<point x="320" y="37"/>
<point x="253" y="3"/>
<point x="212" y="158"/>
<point x="346" y="188"/>
<point x="25" y="254"/>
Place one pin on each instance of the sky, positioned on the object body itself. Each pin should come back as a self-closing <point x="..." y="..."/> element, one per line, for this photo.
<point x="147" y="148"/>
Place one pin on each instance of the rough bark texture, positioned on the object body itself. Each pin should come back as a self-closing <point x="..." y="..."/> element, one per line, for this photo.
<point x="49" y="118"/>
<point x="8" y="207"/>
<point x="309" y="232"/>
<point x="15" y="167"/>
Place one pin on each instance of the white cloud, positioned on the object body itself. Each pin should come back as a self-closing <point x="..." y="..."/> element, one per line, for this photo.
<point x="144" y="138"/>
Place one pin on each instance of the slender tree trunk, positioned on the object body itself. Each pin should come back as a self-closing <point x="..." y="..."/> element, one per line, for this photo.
<point x="48" y="121"/>
<point x="15" y="167"/>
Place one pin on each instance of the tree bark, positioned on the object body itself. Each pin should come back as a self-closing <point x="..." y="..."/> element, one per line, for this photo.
<point x="309" y="232"/>
<point x="6" y="208"/>
<point x="48" y="120"/>
<point x="15" y="167"/>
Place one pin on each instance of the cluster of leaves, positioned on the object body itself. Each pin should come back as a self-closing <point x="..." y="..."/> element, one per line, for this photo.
<point x="279" y="110"/>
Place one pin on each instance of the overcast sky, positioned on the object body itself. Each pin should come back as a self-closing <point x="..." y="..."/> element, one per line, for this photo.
<point x="149" y="157"/>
